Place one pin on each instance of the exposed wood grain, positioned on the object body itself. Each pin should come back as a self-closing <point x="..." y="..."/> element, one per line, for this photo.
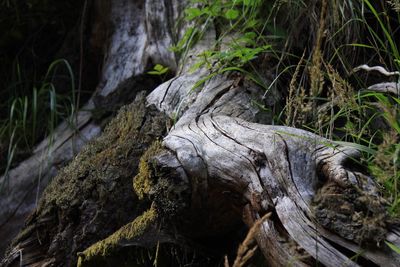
<point x="220" y="145"/>
<point x="280" y="164"/>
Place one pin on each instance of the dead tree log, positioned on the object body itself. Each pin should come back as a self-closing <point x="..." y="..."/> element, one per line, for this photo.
<point x="25" y="183"/>
<point x="218" y="167"/>
<point x="310" y="183"/>
<point x="131" y="46"/>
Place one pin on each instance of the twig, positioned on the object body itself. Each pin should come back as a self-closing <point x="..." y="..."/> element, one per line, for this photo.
<point x="376" y="68"/>
<point x="246" y="250"/>
<point x="390" y="87"/>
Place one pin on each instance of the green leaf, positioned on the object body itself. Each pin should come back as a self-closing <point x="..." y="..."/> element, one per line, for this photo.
<point x="250" y="35"/>
<point x="186" y="40"/>
<point x="232" y="14"/>
<point x="252" y="23"/>
<point x="158" y="70"/>
<point x="152" y="72"/>
<point x="192" y="13"/>
<point x="216" y="9"/>
<point x="397" y="99"/>
<point x="158" y="67"/>
<point x="393" y="247"/>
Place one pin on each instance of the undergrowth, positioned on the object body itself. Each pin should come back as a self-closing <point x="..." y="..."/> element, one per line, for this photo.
<point x="239" y="32"/>
<point x="327" y="95"/>
<point x="314" y="47"/>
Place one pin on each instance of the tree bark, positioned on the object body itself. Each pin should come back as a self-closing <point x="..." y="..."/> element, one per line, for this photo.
<point x="209" y="168"/>
<point x="127" y="55"/>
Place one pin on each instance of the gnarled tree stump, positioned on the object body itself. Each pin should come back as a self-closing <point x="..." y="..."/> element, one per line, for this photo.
<point x="209" y="167"/>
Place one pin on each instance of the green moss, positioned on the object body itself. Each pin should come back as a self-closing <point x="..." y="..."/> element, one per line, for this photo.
<point x="142" y="181"/>
<point x="100" y="161"/>
<point x="129" y="232"/>
<point x="93" y="172"/>
<point x="93" y="186"/>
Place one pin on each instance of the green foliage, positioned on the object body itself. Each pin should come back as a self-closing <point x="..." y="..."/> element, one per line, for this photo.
<point x="158" y="70"/>
<point x="33" y="116"/>
<point x="241" y="37"/>
<point x="340" y="109"/>
<point x="388" y="36"/>
<point x="36" y="91"/>
<point x="232" y="14"/>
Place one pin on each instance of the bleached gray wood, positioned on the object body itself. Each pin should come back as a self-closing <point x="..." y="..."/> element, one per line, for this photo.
<point x="219" y="136"/>
<point x="142" y="34"/>
<point x="379" y="69"/>
<point x="389" y="87"/>
<point x="280" y="254"/>
<point x="214" y="138"/>
<point x="228" y="148"/>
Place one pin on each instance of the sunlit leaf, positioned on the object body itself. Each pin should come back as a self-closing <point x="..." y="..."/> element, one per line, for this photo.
<point x="158" y="70"/>
<point x="192" y="13"/>
<point x="231" y="14"/>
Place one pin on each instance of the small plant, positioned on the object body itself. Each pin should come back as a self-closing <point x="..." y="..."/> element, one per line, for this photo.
<point x="158" y="70"/>
<point x="240" y="36"/>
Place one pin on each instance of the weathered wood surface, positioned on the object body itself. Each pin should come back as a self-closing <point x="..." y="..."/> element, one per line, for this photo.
<point x="215" y="148"/>
<point x="219" y="165"/>
<point x="142" y="34"/>
<point x="283" y="167"/>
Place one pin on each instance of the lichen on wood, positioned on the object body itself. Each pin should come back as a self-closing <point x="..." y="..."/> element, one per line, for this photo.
<point x="129" y="232"/>
<point x="142" y="181"/>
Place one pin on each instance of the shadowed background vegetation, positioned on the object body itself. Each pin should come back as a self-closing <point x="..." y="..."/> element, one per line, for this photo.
<point x="41" y="72"/>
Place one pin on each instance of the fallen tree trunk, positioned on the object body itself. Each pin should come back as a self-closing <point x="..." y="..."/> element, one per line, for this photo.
<point x="218" y="169"/>
<point x="118" y="85"/>
<point x="214" y="168"/>
<point x="310" y="183"/>
<point x="24" y="184"/>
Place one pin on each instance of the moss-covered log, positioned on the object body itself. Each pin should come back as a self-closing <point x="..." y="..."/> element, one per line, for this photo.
<point x="92" y="197"/>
